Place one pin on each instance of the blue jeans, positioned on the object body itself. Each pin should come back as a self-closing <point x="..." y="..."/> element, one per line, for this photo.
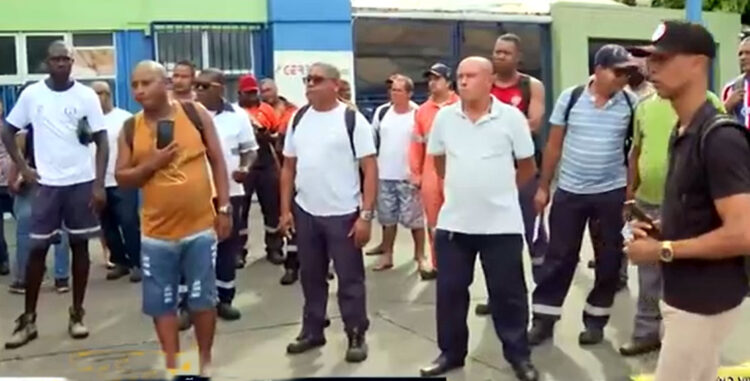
<point x="121" y="227"/>
<point x="165" y="262"/>
<point x="6" y="206"/>
<point x="22" y="211"/>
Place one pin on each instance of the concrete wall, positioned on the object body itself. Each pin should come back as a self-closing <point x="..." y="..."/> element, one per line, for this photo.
<point x="574" y="24"/>
<point x="74" y="15"/>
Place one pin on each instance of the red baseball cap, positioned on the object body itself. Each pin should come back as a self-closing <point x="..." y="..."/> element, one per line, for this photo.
<point x="248" y="83"/>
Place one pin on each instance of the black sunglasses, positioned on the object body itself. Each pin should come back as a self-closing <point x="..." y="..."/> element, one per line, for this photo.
<point x="313" y="80"/>
<point x="624" y="71"/>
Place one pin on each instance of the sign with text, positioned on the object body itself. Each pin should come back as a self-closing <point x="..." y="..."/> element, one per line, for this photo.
<point x="291" y="66"/>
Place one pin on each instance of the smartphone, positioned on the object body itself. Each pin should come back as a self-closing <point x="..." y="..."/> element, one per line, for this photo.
<point x="84" y="131"/>
<point x="632" y="211"/>
<point x="164" y="133"/>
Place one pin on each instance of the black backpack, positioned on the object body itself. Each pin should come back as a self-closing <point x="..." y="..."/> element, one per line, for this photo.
<point x="718" y="121"/>
<point x="128" y="128"/>
<point x="576" y="94"/>
<point x="381" y="114"/>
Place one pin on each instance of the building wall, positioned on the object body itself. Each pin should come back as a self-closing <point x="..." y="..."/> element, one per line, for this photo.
<point x="304" y="32"/>
<point x="79" y="15"/>
<point x="574" y="24"/>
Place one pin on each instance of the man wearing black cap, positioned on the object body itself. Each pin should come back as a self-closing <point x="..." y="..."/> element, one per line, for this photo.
<point x="589" y="134"/>
<point x="703" y="234"/>
<point x="423" y="171"/>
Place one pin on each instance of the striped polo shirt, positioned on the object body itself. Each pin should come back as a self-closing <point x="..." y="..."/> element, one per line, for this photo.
<point x="593" y="160"/>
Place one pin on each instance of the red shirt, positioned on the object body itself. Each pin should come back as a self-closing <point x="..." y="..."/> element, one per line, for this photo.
<point x="511" y="95"/>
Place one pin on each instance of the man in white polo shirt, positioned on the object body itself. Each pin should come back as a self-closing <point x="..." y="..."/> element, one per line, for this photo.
<point x="475" y="143"/>
<point x="326" y="145"/>
<point x="240" y="150"/>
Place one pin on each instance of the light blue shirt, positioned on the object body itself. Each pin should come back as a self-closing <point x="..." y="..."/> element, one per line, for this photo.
<point x="593" y="158"/>
<point x="481" y="196"/>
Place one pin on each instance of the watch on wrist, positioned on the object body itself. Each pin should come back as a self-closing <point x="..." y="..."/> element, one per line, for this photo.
<point x="367" y="215"/>
<point x="667" y="252"/>
<point x="225" y="209"/>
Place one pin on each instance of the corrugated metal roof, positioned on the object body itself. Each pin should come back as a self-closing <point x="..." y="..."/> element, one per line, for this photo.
<point x="514" y="7"/>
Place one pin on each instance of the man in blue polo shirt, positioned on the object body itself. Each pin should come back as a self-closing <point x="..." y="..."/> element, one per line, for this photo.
<point x="590" y="126"/>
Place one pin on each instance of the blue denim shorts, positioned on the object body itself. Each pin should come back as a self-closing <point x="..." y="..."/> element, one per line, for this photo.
<point x="164" y="262"/>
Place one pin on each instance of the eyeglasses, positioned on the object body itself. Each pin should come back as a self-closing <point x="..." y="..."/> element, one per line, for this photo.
<point x="205" y="85"/>
<point x="313" y="80"/>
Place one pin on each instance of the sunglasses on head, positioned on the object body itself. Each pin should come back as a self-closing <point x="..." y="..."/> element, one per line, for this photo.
<point x="313" y="80"/>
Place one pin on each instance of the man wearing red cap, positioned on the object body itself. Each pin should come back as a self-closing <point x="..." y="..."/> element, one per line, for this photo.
<point x="264" y="174"/>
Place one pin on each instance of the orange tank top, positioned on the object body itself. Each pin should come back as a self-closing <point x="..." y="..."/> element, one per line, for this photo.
<point x="176" y="199"/>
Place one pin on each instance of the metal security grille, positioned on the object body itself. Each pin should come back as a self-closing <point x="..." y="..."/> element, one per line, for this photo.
<point x="229" y="47"/>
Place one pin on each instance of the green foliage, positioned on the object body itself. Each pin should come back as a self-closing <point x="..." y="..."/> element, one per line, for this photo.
<point x="736" y="6"/>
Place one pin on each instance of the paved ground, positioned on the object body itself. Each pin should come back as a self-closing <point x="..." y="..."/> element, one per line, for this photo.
<point x="401" y="339"/>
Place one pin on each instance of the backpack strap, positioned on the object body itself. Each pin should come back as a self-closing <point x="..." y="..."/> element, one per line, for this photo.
<point x="631" y="122"/>
<point x="524" y="84"/>
<point x="382" y="112"/>
<point x="717" y="121"/>
<point x="128" y="129"/>
<point x="350" y="116"/>
<point x="191" y="111"/>
<point x="574" y="96"/>
<point x="298" y="116"/>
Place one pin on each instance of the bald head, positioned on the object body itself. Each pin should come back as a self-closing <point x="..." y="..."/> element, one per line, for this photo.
<point x="214" y="75"/>
<point x="149" y="84"/>
<point x="59" y="48"/>
<point x="102" y="90"/>
<point x="269" y="91"/>
<point x="152" y="68"/>
<point x="475" y="79"/>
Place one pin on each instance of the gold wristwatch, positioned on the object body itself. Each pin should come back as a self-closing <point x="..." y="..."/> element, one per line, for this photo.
<point x="667" y="252"/>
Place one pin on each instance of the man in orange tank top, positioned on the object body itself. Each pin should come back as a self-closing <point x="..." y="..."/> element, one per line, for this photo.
<point x="422" y="166"/>
<point x="179" y="233"/>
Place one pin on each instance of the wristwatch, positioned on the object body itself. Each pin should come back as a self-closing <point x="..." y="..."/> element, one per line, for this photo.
<point x="367" y="215"/>
<point x="226" y="209"/>
<point x="667" y="253"/>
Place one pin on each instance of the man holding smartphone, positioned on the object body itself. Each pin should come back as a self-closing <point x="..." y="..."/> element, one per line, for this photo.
<point x="734" y="93"/>
<point x="71" y="190"/>
<point x="704" y="233"/>
<point x="180" y="233"/>
<point x="654" y="121"/>
<point x="240" y="150"/>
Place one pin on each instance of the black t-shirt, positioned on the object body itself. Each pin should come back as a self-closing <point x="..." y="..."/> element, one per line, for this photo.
<point x="699" y="285"/>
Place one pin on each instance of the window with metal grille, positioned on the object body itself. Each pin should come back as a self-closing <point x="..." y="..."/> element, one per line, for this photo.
<point x="228" y="47"/>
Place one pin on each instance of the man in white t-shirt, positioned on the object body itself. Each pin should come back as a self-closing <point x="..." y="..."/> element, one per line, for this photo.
<point x="240" y="150"/>
<point x="475" y="143"/>
<point x="399" y="200"/>
<point x="120" y="220"/>
<point x="326" y="144"/>
<point x="67" y="117"/>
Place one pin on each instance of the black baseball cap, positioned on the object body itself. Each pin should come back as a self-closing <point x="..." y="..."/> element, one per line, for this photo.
<point x="440" y="70"/>
<point x="614" y="56"/>
<point x="678" y="37"/>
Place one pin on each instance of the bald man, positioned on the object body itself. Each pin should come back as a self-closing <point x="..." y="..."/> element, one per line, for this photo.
<point x="481" y="215"/>
<point x="120" y="221"/>
<point x="67" y="118"/>
<point x="180" y="234"/>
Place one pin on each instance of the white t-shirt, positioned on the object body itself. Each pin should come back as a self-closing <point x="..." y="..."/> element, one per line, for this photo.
<point x="327" y="180"/>
<point x="395" y="133"/>
<point x="113" y="121"/>
<point x="481" y="196"/>
<point x="60" y="158"/>
<point x="236" y="137"/>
